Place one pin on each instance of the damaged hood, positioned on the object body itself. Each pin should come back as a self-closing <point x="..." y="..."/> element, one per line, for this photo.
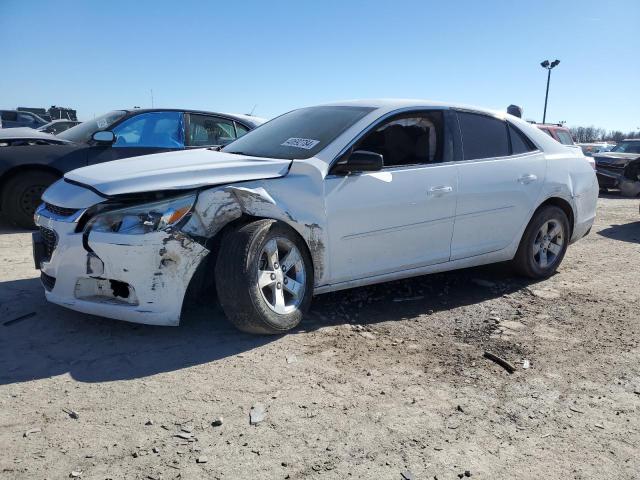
<point x="176" y="171"/>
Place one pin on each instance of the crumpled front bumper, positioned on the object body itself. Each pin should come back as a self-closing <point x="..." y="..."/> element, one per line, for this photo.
<point x="136" y="278"/>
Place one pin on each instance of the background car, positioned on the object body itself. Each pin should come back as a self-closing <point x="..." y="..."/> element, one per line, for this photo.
<point x="58" y="126"/>
<point x="27" y="169"/>
<point x="590" y="148"/>
<point x="15" y="118"/>
<point x="557" y="132"/>
<point x="615" y="166"/>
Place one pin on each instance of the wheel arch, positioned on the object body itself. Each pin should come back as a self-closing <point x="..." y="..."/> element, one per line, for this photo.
<point x="203" y="280"/>
<point x="564" y="205"/>
<point x="20" y="169"/>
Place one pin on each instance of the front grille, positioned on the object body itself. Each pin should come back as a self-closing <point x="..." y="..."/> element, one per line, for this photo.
<point x="50" y="241"/>
<point x="61" y="211"/>
<point x="48" y="282"/>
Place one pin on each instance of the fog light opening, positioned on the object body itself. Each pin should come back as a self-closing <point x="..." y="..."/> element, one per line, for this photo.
<point x="119" y="289"/>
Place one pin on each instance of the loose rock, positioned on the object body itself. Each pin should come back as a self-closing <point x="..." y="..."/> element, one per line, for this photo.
<point x="257" y="414"/>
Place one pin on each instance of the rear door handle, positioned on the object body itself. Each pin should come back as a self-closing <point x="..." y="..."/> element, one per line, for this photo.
<point x="440" y="190"/>
<point x="524" y="179"/>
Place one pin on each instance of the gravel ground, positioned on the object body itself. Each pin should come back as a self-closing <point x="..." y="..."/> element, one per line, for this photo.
<point x="385" y="382"/>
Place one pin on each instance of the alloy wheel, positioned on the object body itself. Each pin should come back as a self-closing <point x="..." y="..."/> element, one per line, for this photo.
<point x="281" y="275"/>
<point x="548" y="244"/>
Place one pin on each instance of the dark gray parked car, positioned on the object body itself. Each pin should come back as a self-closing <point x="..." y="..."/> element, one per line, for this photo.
<point x="15" y="118"/>
<point x="29" y="165"/>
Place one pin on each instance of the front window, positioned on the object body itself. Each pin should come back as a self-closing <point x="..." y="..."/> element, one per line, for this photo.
<point x="153" y="129"/>
<point x="82" y="133"/>
<point x="627" y="147"/>
<point x="411" y="139"/>
<point x="298" y="134"/>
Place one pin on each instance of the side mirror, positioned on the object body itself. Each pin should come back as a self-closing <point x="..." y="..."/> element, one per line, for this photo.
<point x="104" y="137"/>
<point x="359" y="161"/>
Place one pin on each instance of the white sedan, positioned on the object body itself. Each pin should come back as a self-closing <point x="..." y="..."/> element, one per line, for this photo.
<point x="316" y="200"/>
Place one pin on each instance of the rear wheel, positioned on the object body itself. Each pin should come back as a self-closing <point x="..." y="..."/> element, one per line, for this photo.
<point x="543" y="244"/>
<point x="264" y="277"/>
<point x="22" y="195"/>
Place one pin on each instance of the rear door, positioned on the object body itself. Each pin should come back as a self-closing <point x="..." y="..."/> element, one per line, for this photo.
<point x="142" y="134"/>
<point x="401" y="217"/>
<point x="500" y="179"/>
<point x="210" y="130"/>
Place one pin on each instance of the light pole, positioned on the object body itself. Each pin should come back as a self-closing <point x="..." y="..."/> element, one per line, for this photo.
<point x="549" y="66"/>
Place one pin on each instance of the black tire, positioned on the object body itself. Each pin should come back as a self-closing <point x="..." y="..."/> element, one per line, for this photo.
<point x="22" y="194"/>
<point x="525" y="262"/>
<point x="236" y="276"/>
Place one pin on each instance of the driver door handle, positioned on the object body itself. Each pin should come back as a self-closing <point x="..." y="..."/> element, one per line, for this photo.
<point x="528" y="178"/>
<point x="440" y="190"/>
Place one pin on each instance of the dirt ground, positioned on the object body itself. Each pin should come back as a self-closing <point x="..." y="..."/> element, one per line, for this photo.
<point x="385" y="382"/>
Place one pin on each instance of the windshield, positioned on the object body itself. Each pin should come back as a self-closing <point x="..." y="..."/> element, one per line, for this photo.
<point x="627" y="147"/>
<point x="298" y="134"/>
<point x="82" y="133"/>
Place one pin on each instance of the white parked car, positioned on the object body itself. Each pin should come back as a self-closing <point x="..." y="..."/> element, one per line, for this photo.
<point x="316" y="200"/>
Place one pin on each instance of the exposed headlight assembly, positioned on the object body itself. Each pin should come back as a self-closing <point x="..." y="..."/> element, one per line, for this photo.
<point x="145" y="218"/>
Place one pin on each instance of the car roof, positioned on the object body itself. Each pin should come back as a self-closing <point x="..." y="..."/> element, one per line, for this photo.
<point x="251" y="120"/>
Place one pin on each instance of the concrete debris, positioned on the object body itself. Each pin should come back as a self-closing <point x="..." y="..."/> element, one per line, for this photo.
<point x="525" y="364"/>
<point x="407" y="475"/>
<point x="217" y="421"/>
<point x="149" y="422"/>
<point x="184" y="435"/>
<point x="155" y="450"/>
<point x="545" y="294"/>
<point x="202" y="459"/>
<point x="30" y="431"/>
<point x="257" y="414"/>
<point x="75" y="474"/>
<point x="292" y="359"/>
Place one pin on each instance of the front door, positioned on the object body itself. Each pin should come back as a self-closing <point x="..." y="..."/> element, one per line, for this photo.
<point x="401" y="217"/>
<point x="143" y="134"/>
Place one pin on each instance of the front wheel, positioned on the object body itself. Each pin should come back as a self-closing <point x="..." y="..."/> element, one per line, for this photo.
<point x="21" y="196"/>
<point x="264" y="277"/>
<point x="543" y="244"/>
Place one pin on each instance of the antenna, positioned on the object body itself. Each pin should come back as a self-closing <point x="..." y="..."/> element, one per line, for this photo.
<point x="151" y="90"/>
<point x="252" y="110"/>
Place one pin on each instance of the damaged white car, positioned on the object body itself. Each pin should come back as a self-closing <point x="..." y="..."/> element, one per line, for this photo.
<point x="316" y="200"/>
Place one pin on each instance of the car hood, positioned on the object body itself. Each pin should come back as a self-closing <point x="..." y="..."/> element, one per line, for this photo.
<point x="618" y="158"/>
<point x="176" y="171"/>
<point x="26" y="133"/>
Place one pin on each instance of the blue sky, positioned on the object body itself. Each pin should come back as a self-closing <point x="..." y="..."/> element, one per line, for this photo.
<point x="278" y="55"/>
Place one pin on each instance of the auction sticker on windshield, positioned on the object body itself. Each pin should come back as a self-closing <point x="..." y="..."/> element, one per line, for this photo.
<point x="306" y="143"/>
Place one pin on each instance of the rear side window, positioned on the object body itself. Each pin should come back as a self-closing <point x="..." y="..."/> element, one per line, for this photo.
<point x="564" y="137"/>
<point x="519" y="142"/>
<point x="205" y="130"/>
<point x="483" y="136"/>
